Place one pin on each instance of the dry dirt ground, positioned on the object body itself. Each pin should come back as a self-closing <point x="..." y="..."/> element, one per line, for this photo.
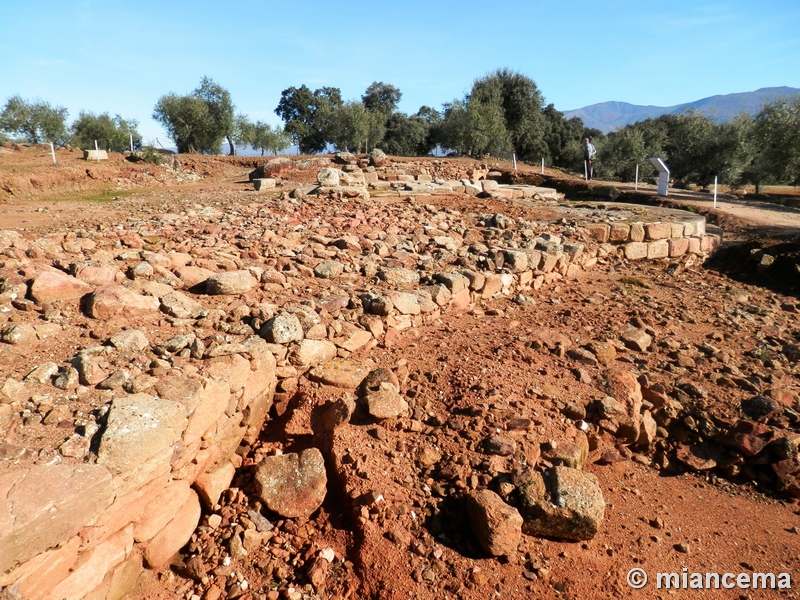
<point x="491" y="369"/>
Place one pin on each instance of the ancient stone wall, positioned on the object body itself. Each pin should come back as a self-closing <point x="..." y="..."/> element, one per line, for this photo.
<point x="175" y="334"/>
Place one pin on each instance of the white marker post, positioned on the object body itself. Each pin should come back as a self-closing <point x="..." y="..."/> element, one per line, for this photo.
<point x="514" y="158"/>
<point x="586" y="170"/>
<point x="130" y="134"/>
<point x="53" y="153"/>
<point x="542" y="166"/>
<point x="715" y="191"/>
<point x="663" y="175"/>
<point x="636" y="185"/>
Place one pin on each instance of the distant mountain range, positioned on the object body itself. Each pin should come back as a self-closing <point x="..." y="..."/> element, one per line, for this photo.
<point x="608" y="116"/>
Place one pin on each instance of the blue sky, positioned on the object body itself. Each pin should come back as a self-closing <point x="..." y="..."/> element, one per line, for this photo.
<point x="120" y="57"/>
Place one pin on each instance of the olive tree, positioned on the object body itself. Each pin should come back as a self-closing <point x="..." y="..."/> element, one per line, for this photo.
<point x="198" y="122"/>
<point x="520" y="103"/>
<point x="34" y="121"/>
<point x="111" y="133"/>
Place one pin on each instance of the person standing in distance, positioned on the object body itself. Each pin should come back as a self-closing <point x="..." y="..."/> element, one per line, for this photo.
<point x="589" y="152"/>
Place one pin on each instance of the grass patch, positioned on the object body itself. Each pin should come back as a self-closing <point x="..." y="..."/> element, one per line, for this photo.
<point x="691" y="209"/>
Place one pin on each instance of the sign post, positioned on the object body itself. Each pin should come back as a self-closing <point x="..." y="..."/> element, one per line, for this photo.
<point x="663" y="175"/>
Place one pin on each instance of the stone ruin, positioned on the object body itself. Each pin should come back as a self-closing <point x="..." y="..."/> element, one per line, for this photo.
<point x="179" y="334"/>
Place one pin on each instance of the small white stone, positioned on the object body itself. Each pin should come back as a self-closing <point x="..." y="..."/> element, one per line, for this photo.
<point x="328" y="554"/>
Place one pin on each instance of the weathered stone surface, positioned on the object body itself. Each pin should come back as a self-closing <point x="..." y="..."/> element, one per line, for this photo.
<point x="263" y="184"/>
<point x="566" y="453"/>
<point x="47" y="504"/>
<point x="515" y="260"/>
<point x="292" y="485"/>
<point x="18" y="335"/>
<point x="209" y="406"/>
<point x="130" y="339"/>
<point x="398" y="276"/>
<point x="455" y="282"/>
<point x="139" y="436"/>
<point x="177" y="532"/>
<point x="193" y="275"/>
<point x="625" y="388"/>
<point x="636" y="339"/>
<point x="95" y="565"/>
<point x="499" y="445"/>
<point x="658" y="231"/>
<point x="747" y="437"/>
<point x="182" y="306"/>
<point x="39" y="576"/>
<point x="53" y="285"/>
<point x="636" y="250"/>
<point x="497" y="525"/>
<point x="211" y="484"/>
<point x="338" y="412"/>
<point x="659" y="249"/>
<point x="328" y="177"/>
<point x="328" y="269"/>
<point x="309" y="353"/>
<point x="340" y="373"/>
<point x="43" y="373"/>
<point x="110" y="301"/>
<point x="161" y="510"/>
<point x="678" y="247"/>
<point x="232" y="282"/>
<point x="282" y="329"/>
<point x="582" y="356"/>
<point x="605" y="352"/>
<point x="567" y="504"/>
<point x="406" y="303"/>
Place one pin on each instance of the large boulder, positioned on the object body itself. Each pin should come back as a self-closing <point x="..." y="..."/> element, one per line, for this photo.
<point x="292" y="485"/>
<point x="566" y="503"/>
<point x="271" y="168"/>
<point x="110" y="301"/>
<point x="53" y="285"/>
<point x="232" y="282"/>
<point x="378" y="158"/>
<point x="328" y="177"/>
<point x="497" y="525"/>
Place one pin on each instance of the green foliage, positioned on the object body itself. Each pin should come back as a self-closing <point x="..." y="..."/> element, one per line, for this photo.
<point x="381" y="97"/>
<point x="199" y="121"/>
<point x="434" y="120"/>
<point x="112" y="134"/>
<point x="307" y="115"/>
<point x="407" y="136"/>
<point x="773" y="144"/>
<point x="349" y="126"/>
<point x="260" y="135"/>
<point x="520" y="105"/>
<point x="562" y="138"/>
<point x="150" y="155"/>
<point x="474" y="128"/>
<point x="271" y="139"/>
<point x="34" y="122"/>
<point x="622" y="151"/>
<point x="220" y="112"/>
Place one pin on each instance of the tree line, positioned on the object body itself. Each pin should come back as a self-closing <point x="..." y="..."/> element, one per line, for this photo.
<point x="747" y="150"/>
<point x="36" y="122"/>
<point x="504" y="112"/>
